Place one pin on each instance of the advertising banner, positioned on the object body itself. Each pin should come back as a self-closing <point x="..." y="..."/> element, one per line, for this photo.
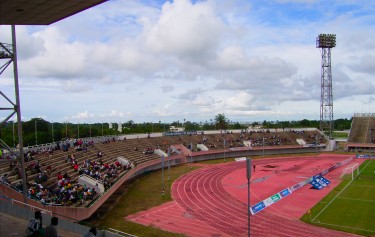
<point x="275" y="198"/>
<point x="321" y="182"/>
<point x="300" y="184"/>
<point x="257" y="207"/>
<point x="268" y="201"/>
<point x="326" y="181"/>
<point x="316" y="184"/>
<point x="365" y="156"/>
<point x="285" y="192"/>
<point x="317" y="181"/>
<point x="182" y="133"/>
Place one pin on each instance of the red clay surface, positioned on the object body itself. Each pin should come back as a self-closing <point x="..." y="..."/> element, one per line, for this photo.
<point x="212" y="201"/>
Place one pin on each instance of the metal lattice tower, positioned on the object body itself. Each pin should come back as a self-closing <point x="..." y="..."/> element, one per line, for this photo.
<point x="8" y="53"/>
<point x="326" y="42"/>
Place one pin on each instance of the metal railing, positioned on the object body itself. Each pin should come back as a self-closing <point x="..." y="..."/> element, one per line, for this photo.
<point x="114" y="231"/>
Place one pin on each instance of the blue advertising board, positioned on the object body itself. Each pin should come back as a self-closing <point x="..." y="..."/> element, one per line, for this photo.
<point x="317" y="181"/>
<point x="257" y="207"/>
<point x="316" y="184"/>
<point x="284" y="192"/>
<point x="326" y="181"/>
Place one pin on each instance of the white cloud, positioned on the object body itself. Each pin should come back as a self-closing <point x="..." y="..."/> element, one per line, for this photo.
<point x="185" y="30"/>
<point x="163" y="111"/>
<point x="83" y="116"/>
<point x="240" y="101"/>
<point x="133" y="60"/>
<point x="365" y="64"/>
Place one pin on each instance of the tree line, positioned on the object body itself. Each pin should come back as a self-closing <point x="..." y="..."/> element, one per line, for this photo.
<point x="39" y="131"/>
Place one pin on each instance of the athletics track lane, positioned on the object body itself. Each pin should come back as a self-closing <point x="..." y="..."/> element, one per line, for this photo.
<point x="201" y="193"/>
<point x="205" y="205"/>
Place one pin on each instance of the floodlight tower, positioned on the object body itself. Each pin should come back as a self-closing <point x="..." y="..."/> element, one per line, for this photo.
<point x="8" y="53"/>
<point x="326" y="42"/>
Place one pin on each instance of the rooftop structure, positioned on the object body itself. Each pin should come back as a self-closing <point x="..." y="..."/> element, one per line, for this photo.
<point x="41" y="12"/>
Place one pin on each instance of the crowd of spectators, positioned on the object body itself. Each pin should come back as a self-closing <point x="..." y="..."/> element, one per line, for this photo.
<point x="104" y="172"/>
<point x="66" y="192"/>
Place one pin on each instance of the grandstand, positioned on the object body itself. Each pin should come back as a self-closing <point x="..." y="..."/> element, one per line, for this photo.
<point x="54" y="170"/>
<point x="362" y="133"/>
<point x="51" y="167"/>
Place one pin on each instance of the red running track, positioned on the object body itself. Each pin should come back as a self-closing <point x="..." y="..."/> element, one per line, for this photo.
<point x="214" y="209"/>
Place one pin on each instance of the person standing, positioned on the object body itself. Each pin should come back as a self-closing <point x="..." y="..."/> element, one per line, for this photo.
<point x="34" y="227"/>
<point x="50" y="230"/>
<point x="254" y="168"/>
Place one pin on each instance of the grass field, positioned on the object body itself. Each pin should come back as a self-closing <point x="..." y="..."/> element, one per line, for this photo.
<point x="350" y="207"/>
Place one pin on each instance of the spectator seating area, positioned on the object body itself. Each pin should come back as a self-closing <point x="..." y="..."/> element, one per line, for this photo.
<point x="363" y="129"/>
<point x="257" y="138"/>
<point x="52" y="175"/>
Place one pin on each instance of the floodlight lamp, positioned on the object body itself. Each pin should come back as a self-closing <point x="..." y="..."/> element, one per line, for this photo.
<point x="326" y="41"/>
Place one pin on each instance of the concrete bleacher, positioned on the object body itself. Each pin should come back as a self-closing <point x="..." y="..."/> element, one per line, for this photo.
<point x="362" y="133"/>
<point x="362" y="130"/>
<point x="134" y="150"/>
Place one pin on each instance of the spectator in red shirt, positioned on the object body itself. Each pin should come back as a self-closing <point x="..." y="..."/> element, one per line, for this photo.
<point x="59" y="176"/>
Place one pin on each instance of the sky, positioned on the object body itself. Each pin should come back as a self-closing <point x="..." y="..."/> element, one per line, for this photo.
<point x="151" y="61"/>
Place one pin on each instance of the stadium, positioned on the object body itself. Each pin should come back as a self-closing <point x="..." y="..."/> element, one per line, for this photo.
<point x="293" y="173"/>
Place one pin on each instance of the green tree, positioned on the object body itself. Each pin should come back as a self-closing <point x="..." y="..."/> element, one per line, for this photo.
<point x="237" y="125"/>
<point x="36" y="131"/>
<point x="221" y="122"/>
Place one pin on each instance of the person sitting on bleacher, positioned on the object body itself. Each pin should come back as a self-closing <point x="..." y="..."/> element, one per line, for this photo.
<point x="61" y="182"/>
<point x="41" y="177"/>
<point x="49" y="169"/>
<point x="65" y="147"/>
<point x="59" y="176"/>
<point x="29" y="157"/>
<point x="148" y="151"/>
<point x="117" y="164"/>
<point x="70" y="158"/>
<point x="78" y="148"/>
<point x="66" y="176"/>
<point x="50" y="151"/>
<point x="86" y="163"/>
<point x="37" y="167"/>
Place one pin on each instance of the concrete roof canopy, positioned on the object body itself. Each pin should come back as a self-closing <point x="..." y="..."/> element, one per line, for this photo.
<point x="41" y="12"/>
